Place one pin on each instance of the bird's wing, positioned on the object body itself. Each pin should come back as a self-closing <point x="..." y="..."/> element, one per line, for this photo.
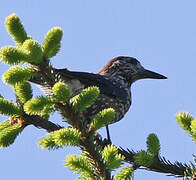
<point x="89" y="79"/>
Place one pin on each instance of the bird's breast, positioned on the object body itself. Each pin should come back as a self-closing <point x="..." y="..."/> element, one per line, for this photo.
<point x="103" y="102"/>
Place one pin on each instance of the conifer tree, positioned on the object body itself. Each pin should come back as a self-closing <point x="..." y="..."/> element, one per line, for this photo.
<point x="98" y="158"/>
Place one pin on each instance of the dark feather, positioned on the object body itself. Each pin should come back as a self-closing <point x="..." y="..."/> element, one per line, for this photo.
<point x="89" y="79"/>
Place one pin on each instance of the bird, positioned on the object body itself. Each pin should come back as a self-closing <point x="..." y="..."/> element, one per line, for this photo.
<point x="114" y="81"/>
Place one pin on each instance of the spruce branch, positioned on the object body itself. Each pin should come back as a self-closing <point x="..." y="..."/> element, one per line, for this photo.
<point x="30" y="51"/>
<point x="4" y="125"/>
<point x="48" y="142"/>
<point x="102" y="119"/>
<point x="153" y="144"/>
<point x="188" y="123"/>
<point x="67" y="136"/>
<point x="184" y="119"/>
<point x="36" y="106"/>
<point x="13" y="55"/>
<point x="61" y="92"/>
<point x="15" y="28"/>
<point x="190" y="173"/>
<point x="51" y="44"/>
<point x="143" y="158"/>
<point x="80" y="165"/>
<point x="85" y="99"/>
<point x="126" y="173"/>
<point x="88" y="143"/>
<point x="9" y="134"/>
<point x="40" y="122"/>
<point x="111" y="156"/>
<point x="193" y="128"/>
<point x="33" y="50"/>
<point x="7" y="108"/>
<point x="17" y="74"/>
<point x="23" y="91"/>
<point x="159" y="164"/>
<point x="94" y="153"/>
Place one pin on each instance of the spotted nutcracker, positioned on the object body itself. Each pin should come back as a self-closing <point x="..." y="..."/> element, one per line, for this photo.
<point x="114" y="81"/>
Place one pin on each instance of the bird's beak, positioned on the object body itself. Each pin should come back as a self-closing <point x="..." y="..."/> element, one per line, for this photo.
<point x="150" y="74"/>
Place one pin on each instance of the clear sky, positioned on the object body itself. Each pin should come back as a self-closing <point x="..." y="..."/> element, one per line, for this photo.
<point x="160" y="34"/>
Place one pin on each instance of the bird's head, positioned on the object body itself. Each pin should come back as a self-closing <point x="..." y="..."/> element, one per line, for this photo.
<point x="128" y="68"/>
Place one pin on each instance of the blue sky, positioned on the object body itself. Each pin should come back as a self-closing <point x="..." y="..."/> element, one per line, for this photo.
<point x="160" y="34"/>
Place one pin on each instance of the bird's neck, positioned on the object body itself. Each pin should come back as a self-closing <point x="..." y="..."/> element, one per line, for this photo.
<point x="117" y="78"/>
